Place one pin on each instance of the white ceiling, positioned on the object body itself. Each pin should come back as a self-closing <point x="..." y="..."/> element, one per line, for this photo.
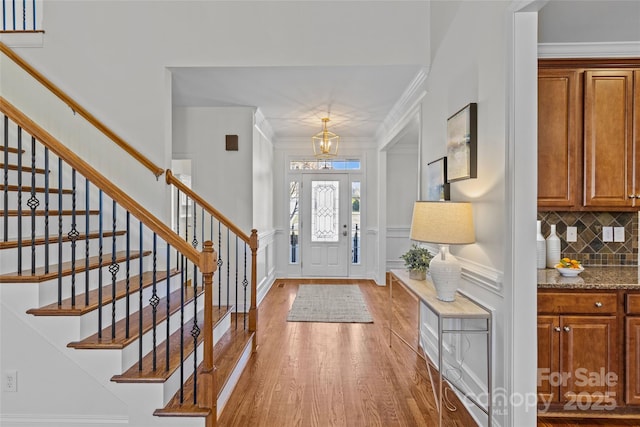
<point x="294" y="99"/>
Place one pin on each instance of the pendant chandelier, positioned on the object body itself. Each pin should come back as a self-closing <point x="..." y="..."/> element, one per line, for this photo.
<point x="325" y="143"/>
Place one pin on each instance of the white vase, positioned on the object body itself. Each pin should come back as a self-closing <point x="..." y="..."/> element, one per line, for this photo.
<point x="541" y="247"/>
<point x="445" y="271"/>
<point x="553" y="248"/>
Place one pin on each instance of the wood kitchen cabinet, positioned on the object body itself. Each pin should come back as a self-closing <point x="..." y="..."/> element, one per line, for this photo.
<point x="578" y="357"/>
<point x="632" y="349"/>
<point x="588" y="154"/>
<point x="559" y="139"/>
<point x="610" y="165"/>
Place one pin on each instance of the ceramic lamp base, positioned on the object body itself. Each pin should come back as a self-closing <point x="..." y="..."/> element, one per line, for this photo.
<point x="445" y="273"/>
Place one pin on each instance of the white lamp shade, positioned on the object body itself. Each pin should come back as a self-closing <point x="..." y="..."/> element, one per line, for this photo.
<point x="449" y="223"/>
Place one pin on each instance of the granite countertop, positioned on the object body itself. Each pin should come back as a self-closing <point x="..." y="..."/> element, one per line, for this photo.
<point x="619" y="277"/>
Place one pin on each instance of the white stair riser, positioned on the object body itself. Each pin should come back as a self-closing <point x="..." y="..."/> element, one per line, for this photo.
<point x="172" y="385"/>
<point x="130" y="354"/>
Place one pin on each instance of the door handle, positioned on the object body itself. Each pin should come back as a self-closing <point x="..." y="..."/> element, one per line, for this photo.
<point x="344" y="231"/>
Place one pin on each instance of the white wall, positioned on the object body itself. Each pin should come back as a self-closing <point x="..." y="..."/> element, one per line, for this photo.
<point x="199" y="135"/>
<point x="468" y="65"/>
<point x="589" y="21"/>
<point x="402" y="190"/>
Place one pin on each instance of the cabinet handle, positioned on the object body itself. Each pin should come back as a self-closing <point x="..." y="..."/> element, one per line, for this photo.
<point x="598" y="304"/>
<point x="557" y="328"/>
<point x="567" y="329"/>
<point x="632" y="196"/>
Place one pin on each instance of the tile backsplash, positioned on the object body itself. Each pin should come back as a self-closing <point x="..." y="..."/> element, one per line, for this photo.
<point x="590" y="249"/>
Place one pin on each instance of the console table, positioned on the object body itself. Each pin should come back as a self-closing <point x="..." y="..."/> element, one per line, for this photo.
<point x="462" y="308"/>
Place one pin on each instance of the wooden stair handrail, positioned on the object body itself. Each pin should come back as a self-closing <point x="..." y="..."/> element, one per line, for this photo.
<point x="172" y="180"/>
<point x="157" y="170"/>
<point x="122" y="198"/>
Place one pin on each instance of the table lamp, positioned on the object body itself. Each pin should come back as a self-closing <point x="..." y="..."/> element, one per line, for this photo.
<point x="445" y="223"/>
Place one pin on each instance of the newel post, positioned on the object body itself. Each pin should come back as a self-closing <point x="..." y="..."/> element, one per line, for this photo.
<point x="253" y="311"/>
<point x="207" y="378"/>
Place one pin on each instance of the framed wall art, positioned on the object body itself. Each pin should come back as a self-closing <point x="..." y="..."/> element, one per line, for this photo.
<point x="437" y="186"/>
<point x="462" y="144"/>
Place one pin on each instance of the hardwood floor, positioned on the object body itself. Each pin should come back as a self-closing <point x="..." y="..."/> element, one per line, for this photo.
<point x="334" y="374"/>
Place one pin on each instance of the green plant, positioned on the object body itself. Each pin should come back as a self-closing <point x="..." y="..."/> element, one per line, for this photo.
<point x="417" y="258"/>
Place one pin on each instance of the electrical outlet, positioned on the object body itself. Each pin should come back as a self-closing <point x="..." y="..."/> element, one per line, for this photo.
<point x="607" y="234"/>
<point x="572" y="234"/>
<point x="618" y="234"/>
<point x="10" y="382"/>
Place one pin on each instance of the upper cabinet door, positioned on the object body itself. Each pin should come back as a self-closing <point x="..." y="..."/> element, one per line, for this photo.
<point x="608" y="138"/>
<point x="559" y="134"/>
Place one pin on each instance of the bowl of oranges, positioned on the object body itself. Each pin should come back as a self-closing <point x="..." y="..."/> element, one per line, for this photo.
<point x="569" y="267"/>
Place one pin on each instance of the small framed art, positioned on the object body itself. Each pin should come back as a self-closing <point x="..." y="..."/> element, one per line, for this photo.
<point x="437" y="186"/>
<point x="462" y="144"/>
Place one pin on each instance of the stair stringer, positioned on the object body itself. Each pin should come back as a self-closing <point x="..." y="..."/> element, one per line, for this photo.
<point x="134" y="402"/>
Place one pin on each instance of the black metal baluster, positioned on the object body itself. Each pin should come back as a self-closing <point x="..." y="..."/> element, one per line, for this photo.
<point x="73" y="236"/>
<point x="33" y="2"/>
<point x="186" y="220"/>
<point x="33" y="203"/>
<point x="195" y="331"/>
<point x="182" y="290"/>
<point x="19" y="201"/>
<point x="168" y="281"/>
<point x="86" y="241"/>
<point x="114" y="267"/>
<point x="14" y="15"/>
<point x="177" y="225"/>
<point x="236" y="281"/>
<point x="154" y="300"/>
<point x="228" y="266"/>
<point x="128" y="273"/>
<point x="60" y="231"/>
<point x="219" y="265"/>
<point x="194" y="243"/>
<point x="100" y="263"/>
<point x="245" y="282"/>
<point x="5" y="213"/>
<point x="46" y="210"/>
<point x="140" y="306"/>
<point x="24" y="14"/>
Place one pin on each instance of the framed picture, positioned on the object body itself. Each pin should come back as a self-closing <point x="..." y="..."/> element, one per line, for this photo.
<point x="462" y="144"/>
<point x="437" y="186"/>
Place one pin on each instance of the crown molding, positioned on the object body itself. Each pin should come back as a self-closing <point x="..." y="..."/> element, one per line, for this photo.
<point x="589" y="50"/>
<point x="403" y="110"/>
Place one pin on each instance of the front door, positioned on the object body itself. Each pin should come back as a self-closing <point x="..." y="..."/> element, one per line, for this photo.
<point x="325" y="225"/>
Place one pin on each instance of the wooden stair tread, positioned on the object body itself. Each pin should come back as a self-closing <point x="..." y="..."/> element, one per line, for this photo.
<point x="10" y="149"/>
<point x="121" y="340"/>
<point x="28" y="188"/>
<point x="162" y="373"/>
<point x="40" y="240"/>
<point x="227" y="353"/>
<point x="66" y="309"/>
<point x="65" y="212"/>
<point x="41" y="276"/>
<point x="25" y="169"/>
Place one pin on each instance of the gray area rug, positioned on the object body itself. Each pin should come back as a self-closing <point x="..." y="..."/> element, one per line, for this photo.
<point x="329" y="303"/>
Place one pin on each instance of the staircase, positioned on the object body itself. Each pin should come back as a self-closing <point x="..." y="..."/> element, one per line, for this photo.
<point x="154" y="319"/>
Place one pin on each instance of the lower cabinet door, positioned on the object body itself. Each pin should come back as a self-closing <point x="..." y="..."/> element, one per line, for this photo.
<point x="589" y="362"/>
<point x="632" y="347"/>
<point x="548" y="358"/>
